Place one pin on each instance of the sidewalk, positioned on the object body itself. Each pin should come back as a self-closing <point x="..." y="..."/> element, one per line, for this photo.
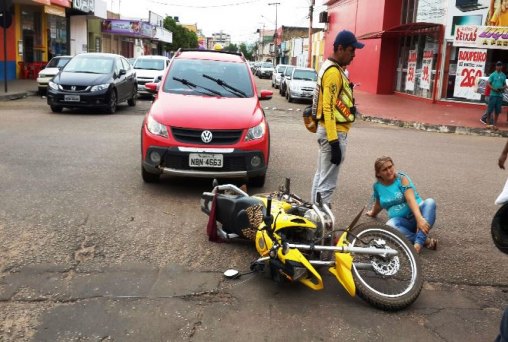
<point x="394" y="110"/>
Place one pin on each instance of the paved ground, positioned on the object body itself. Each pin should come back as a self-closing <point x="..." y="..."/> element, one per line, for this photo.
<point x="394" y="109"/>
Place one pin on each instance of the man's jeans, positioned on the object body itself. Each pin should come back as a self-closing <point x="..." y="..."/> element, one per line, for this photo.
<point x="325" y="179"/>
<point x="407" y="226"/>
<point x="495" y="103"/>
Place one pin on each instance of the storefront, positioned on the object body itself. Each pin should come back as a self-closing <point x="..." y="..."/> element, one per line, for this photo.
<point x="130" y="38"/>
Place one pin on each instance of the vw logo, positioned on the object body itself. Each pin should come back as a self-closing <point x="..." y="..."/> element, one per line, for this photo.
<point x="206" y="136"/>
<point x="73" y="88"/>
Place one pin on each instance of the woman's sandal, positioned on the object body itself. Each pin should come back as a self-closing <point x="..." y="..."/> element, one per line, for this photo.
<point x="431" y="244"/>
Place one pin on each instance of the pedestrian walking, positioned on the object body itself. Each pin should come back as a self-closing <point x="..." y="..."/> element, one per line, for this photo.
<point x="483" y="119"/>
<point x="497" y="83"/>
<point x="333" y="107"/>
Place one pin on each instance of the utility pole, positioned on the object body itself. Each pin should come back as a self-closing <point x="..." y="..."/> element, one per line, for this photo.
<point x="309" y="58"/>
<point x="275" y="32"/>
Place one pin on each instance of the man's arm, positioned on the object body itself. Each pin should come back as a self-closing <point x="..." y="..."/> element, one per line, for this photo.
<point x="332" y="82"/>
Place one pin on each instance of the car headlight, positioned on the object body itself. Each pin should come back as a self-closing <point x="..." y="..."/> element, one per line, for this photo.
<point x="100" y="87"/>
<point x="295" y="88"/>
<point x="256" y="132"/>
<point x="156" y="128"/>
<point x="53" y="85"/>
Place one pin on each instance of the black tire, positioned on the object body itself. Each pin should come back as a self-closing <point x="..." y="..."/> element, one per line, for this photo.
<point x="132" y="101"/>
<point x="257" y="182"/>
<point x="56" y="109"/>
<point x="499" y="228"/>
<point x="113" y="102"/>
<point x="149" y="177"/>
<point x="288" y="96"/>
<point x="391" y="283"/>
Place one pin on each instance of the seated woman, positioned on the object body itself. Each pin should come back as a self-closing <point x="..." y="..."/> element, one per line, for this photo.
<point x="407" y="212"/>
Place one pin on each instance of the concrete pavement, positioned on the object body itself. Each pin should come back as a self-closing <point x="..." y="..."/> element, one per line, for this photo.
<point x="396" y="110"/>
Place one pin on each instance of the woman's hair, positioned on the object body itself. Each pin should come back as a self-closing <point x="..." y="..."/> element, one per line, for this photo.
<point x="378" y="164"/>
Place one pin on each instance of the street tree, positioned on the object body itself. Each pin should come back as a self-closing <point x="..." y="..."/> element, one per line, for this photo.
<point x="182" y="37"/>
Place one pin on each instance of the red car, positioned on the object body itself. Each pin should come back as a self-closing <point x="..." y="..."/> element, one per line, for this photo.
<point x="206" y="120"/>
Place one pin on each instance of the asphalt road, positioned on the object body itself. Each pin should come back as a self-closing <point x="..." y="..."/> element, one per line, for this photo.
<point x="88" y="252"/>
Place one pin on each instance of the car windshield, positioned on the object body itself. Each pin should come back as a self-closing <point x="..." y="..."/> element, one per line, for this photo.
<point x="288" y="71"/>
<point x="149" y="64"/>
<point x="281" y="68"/>
<point x="215" y="76"/>
<point x="267" y="65"/>
<point x="307" y="75"/>
<point x="58" y="62"/>
<point x="90" y="65"/>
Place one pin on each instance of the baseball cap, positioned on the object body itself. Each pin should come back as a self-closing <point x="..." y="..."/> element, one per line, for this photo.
<point x="499" y="63"/>
<point x="347" y="38"/>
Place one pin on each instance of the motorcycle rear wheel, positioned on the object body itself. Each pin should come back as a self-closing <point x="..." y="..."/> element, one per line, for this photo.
<point x="391" y="283"/>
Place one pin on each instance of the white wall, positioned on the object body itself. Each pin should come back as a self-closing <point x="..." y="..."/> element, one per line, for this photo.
<point x="79" y="34"/>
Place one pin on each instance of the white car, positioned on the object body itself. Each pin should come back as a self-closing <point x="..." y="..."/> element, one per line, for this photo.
<point x="301" y="85"/>
<point x="277" y="73"/>
<point x="149" y="69"/>
<point x="265" y="70"/>
<point x="52" y="68"/>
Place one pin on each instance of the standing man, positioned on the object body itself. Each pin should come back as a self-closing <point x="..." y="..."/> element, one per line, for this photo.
<point x="333" y="107"/>
<point x="497" y="82"/>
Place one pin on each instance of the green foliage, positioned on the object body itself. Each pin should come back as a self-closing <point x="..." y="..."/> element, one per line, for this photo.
<point x="231" y="48"/>
<point x="182" y="37"/>
<point x="247" y="51"/>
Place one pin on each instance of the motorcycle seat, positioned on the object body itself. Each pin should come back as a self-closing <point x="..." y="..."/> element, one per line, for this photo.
<point x="231" y="211"/>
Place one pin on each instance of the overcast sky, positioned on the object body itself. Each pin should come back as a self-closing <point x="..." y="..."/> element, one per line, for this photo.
<point x="239" y="18"/>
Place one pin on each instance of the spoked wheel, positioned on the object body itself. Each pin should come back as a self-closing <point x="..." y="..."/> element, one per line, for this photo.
<point x="389" y="283"/>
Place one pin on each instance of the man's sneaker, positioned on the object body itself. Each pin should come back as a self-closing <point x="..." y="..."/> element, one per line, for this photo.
<point x="482" y="120"/>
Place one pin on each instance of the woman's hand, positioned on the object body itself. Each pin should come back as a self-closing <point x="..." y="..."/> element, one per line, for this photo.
<point x="423" y="225"/>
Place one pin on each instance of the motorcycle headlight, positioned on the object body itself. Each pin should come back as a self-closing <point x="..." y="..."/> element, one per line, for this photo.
<point x="156" y="128"/>
<point x="100" y="87"/>
<point x="256" y="132"/>
<point x="53" y="85"/>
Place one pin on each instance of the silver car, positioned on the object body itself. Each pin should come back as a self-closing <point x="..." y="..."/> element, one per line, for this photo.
<point x="277" y="73"/>
<point x="301" y="85"/>
<point x="52" y="68"/>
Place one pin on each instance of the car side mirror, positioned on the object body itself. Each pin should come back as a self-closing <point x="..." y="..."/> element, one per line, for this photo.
<point x="122" y="72"/>
<point x="265" y="95"/>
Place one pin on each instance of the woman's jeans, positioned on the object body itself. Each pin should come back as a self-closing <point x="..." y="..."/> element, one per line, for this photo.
<point x="407" y="226"/>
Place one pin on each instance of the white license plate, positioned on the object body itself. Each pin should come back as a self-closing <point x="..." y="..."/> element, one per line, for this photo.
<point x="205" y="160"/>
<point x="71" y="98"/>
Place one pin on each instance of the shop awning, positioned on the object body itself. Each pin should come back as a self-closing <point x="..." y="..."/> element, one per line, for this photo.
<point x="404" y="30"/>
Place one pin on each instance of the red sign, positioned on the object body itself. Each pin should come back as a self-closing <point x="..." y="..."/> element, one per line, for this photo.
<point x="62" y="3"/>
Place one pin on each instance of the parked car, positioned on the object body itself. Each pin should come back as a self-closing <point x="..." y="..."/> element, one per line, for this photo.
<point x="149" y="69"/>
<point x="277" y="74"/>
<point x="301" y="85"/>
<point x="284" y="77"/>
<point x="206" y="120"/>
<point x="93" y="80"/>
<point x="131" y="60"/>
<point x="52" y="68"/>
<point x="265" y="70"/>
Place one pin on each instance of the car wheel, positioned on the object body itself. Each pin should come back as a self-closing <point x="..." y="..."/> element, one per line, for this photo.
<point x="149" y="177"/>
<point x="112" y="102"/>
<point x="258" y="181"/>
<point x="132" y="100"/>
<point x="288" y="96"/>
<point x="56" y="109"/>
<point x="41" y="91"/>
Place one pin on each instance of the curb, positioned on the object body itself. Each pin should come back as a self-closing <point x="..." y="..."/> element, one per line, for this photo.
<point x="436" y="128"/>
<point x="13" y="96"/>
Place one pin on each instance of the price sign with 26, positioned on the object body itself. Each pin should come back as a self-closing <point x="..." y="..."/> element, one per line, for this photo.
<point x="469" y="77"/>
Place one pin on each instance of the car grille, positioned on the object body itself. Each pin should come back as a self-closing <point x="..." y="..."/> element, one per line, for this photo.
<point x="74" y="88"/>
<point x="307" y="89"/>
<point x="144" y="80"/>
<point x="219" y="137"/>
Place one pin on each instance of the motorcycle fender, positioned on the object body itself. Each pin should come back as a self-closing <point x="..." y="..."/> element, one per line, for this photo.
<point x="342" y="269"/>
<point x="296" y="255"/>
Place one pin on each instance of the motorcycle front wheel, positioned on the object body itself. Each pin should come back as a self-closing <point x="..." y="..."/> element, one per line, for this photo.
<point x="389" y="283"/>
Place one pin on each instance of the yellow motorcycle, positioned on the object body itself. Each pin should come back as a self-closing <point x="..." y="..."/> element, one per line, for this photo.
<point x="297" y="239"/>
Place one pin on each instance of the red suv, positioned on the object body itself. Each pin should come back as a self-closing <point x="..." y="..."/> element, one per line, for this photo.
<point x="206" y="120"/>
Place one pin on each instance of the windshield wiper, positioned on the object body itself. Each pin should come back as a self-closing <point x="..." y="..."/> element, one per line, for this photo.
<point x="226" y="86"/>
<point x="192" y="85"/>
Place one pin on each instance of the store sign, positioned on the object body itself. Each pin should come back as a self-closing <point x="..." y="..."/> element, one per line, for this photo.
<point x="487" y="37"/>
<point x="470" y="66"/>
<point x="130" y="27"/>
<point x="86" y="6"/>
<point x="428" y="57"/>
<point x="62" y="3"/>
<point x="55" y="10"/>
<point x="411" y="70"/>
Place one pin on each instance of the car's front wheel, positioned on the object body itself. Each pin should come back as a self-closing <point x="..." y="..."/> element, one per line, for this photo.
<point x="149" y="177"/>
<point x="112" y="102"/>
<point x="56" y="109"/>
